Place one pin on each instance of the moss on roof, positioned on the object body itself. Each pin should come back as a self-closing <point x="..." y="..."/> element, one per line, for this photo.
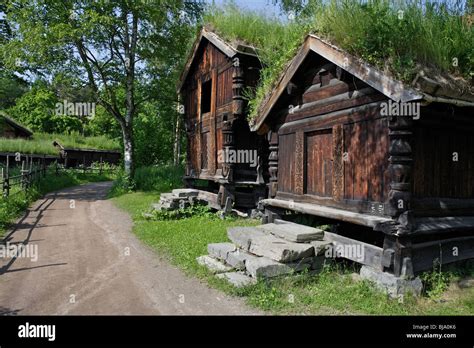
<point x="401" y="39"/>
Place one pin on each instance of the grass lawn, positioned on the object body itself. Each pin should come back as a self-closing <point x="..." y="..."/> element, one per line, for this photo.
<point x="331" y="292"/>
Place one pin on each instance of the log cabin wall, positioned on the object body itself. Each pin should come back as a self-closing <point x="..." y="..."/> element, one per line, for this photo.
<point x="443" y="147"/>
<point x="333" y="144"/>
<point x="207" y="100"/>
<point x="216" y="115"/>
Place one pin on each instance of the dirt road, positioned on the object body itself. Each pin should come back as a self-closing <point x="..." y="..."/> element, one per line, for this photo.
<point x="89" y="262"/>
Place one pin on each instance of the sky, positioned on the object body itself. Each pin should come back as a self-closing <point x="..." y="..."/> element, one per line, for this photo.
<point x="257" y="5"/>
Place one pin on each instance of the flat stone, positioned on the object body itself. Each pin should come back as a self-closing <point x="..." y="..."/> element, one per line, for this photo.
<point x="169" y="197"/>
<point x="293" y="232"/>
<point x="213" y="265"/>
<point x="279" y="249"/>
<point x="466" y="283"/>
<point x="301" y="265"/>
<point x="241" y="236"/>
<point x="220" y="250"/>
<point x="183" y="193"/>
<point x="320" y="246"/>
<point x="318" y="263"/>
<point x="237" y="279"/>
<point x="263" y="267"/>
<point x="394" y="286"/>
<point x="238" y="258"/>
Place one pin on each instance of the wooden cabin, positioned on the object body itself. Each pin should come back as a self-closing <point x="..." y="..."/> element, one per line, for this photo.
<point x="11" y="129"/>
<point x="223" y="155"/>
<point x="351" y="144"/>
<point x="76" y="157"/>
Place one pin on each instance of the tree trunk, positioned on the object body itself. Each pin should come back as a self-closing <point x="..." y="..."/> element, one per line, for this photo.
<point x="177" y="142"/>
<point x="128" y="151"/>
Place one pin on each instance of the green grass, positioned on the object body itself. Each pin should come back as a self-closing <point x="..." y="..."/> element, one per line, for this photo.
<point x="161" y="178"/>
<point x="15" y="205"/>
<point x="42" y="143"/>
<point x="432" y="35"/>
<point x="331" y="292"/>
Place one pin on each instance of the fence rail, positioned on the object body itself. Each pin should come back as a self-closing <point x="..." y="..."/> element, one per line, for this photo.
<point x="32" y="171"/>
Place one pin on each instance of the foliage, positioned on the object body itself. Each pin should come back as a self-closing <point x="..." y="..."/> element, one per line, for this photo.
<point x="196" y="210"/>
<point x="42" y="143"/>
<point x="36" y="110"/>
<point x="162" y="178"/>
<point x="396" y="37"/>
<point x="123" y="51"/>
<point x="11" y="88"/>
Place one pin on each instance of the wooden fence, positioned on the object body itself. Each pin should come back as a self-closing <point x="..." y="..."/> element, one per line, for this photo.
<point x="33" y="169"/>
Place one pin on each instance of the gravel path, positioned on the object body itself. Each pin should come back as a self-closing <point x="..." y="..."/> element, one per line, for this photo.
<point x="89" y="262"/>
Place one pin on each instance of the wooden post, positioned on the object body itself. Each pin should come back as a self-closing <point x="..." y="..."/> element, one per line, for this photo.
<point x="6" y="180"/>
<point x="273" y="163"/>
<point x="84" y="163"/>
<point x="228" y="145"/>
<point x="100" y="166"/>
<point x="400" y="168"/>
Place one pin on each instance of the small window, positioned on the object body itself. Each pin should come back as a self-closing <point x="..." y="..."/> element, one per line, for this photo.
<point x="206" y="90"/>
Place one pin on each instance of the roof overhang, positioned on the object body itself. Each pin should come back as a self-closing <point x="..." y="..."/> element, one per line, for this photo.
<point x="375" y="78"/>
<point x="225" y="47"/>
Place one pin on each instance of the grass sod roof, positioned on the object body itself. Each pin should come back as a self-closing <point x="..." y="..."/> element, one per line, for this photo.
<point x="15" y="124"/>
<point x="432" y="41"/>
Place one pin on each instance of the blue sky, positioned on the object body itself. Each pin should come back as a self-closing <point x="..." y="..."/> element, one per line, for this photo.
<point x="258" y="5"/>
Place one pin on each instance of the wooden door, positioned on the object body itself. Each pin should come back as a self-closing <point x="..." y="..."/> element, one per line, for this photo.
<point x="319" y="163"/>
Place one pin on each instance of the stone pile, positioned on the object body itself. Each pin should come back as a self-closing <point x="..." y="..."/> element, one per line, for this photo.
<point x="265" y="251"/>
<point x="177" y="199"/>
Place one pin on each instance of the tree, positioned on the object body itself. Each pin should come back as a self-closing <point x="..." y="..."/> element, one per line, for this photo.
<point x="121" y="49"/>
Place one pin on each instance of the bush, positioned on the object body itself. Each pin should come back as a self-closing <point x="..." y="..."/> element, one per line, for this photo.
<point x="153" y="178"/>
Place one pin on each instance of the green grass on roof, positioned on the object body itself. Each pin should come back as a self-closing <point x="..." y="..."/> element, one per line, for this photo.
<point x="398" y="39"/>
<point x="42" y="143"/>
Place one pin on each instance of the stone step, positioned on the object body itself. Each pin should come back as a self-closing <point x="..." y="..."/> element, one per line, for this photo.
<point x="279" y="249"/>
<point x="241" y="236"/>
<point x="320" y="246"/>
<point x="237" y="279"/>
<point x="238" y="258"/>
<point x="262" y="267"/>
<point x="220" y="250"/>
<point x="213" y="265"/>
<point x="169" y="197"/>
<point x="183" y="193"/>
<point x="293" y="232"/>
<point x="302" y="264"/>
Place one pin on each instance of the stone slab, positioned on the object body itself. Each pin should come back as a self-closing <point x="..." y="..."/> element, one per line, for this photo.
<point x="220" y="250"/>
<point x="237" y="279"/>
<point x="213" y="265"/>
<point x="394" y="286"/>
<point x="241" y="236"/>
<point x="279" y="249"/>
<point x="263" y="267"/>
<point x="320" y="246"/>
<point x="238" y="258"/>
<point x="183" y="193"/>
<point x="293" y="232"/>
